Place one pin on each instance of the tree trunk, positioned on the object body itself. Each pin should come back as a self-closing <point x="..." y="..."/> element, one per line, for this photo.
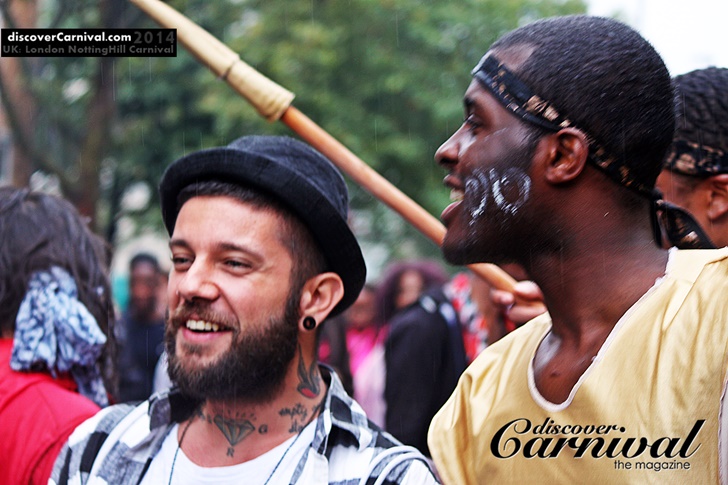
<point x="24" y="15"/>
<point x="99" y="121"/>
<point x="97" y="140"/>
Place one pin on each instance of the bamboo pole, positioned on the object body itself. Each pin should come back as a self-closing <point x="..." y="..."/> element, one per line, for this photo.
<point x="274" y="103"/>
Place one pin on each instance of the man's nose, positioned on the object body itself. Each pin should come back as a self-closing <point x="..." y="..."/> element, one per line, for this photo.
<point x="447" y="154"/>
<point x="197" y="282"/>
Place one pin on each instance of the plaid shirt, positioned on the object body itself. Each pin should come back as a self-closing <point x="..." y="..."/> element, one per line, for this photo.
<point x="347" y="448"/>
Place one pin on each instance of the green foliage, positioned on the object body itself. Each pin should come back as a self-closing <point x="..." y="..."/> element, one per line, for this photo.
<point x="385" y="77"/>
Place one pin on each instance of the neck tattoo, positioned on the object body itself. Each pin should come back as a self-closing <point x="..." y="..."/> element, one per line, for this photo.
<point x="275" y="468"/>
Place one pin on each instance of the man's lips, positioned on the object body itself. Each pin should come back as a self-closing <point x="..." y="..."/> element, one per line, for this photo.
<point x="457" y="194"/>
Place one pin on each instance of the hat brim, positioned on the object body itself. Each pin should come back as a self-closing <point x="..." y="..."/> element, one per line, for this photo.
<point x="330" y="231"/>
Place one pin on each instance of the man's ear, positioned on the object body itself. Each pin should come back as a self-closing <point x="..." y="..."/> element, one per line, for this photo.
<point x="320" y="295"/>
<point x="566" y="152"/>
<point x="718" y="206"/>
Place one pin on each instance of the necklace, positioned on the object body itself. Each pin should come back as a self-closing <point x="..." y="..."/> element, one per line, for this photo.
<point x="184" y="432"/>
<point x="282" y="457"/>
<point x="179" y="445"/>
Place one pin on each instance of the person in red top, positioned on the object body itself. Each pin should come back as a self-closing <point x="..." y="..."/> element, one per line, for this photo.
<point x="55" y="312"/>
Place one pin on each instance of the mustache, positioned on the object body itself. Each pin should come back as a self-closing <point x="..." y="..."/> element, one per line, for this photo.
<point x="200" y="311"/>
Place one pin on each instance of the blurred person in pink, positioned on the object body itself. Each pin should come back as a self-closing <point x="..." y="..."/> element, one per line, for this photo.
<point x="353" y="344"/>
<point x="365" y="336"/>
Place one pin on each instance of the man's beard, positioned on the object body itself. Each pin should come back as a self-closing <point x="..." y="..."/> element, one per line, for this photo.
<point x="251" y="370"/>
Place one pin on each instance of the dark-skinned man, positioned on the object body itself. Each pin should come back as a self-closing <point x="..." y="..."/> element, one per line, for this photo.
<point x="567" y="121"/>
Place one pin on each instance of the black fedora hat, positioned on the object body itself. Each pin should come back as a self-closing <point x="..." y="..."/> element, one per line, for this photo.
<point x="292" y="172"/>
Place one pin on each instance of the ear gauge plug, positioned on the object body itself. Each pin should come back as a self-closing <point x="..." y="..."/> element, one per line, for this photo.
<point x="309" y="323"/>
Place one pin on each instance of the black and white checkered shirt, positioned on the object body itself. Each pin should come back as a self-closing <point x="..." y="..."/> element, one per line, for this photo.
<point x="118" y="444"/>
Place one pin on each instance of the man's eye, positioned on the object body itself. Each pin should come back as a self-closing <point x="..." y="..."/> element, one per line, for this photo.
<point x="237" y="264"/>
<point x="471" y="122"/>
<point x="179" y="261"/>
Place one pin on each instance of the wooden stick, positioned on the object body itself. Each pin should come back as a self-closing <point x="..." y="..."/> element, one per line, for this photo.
<point x="273" y="102"/>
<point x="383" y="190"/>
<point x="270" y="99"/>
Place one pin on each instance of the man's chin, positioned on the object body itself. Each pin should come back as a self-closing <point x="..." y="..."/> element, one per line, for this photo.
<point x="196" y="378"/>
<point x="461" y="254"/>
<point x="196" y="364"/>
<point x="232" y="374"/>
<point x="457" y="252"/>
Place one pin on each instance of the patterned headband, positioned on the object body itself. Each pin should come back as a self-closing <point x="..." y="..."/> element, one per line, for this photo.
<point x="680" y="228"/>
<point x="690" y="158"/>
<point x="518" y="98"/>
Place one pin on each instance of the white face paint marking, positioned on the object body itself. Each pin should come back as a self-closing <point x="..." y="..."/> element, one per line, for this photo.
<point x="477" y="189"/>
<point x="515" y="177"/>
<point x="484" y="185"/>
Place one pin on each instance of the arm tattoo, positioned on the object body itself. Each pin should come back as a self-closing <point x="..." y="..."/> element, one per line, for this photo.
<point x="310" y="380"/>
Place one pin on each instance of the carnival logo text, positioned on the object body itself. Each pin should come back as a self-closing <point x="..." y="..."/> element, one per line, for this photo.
<point x="521" y="437"/>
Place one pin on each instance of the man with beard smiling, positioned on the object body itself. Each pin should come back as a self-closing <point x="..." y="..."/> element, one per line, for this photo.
<point x="567" y="121"/>
<point x="261" y="255"/>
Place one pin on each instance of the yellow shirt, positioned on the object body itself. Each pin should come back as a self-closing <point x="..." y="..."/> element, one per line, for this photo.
<point x="647" y="410"/>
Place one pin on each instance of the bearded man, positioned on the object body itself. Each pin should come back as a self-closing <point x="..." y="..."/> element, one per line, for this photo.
<point x="261" y="255"/>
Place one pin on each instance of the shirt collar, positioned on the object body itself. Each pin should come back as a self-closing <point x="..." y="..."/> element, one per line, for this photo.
<point x="340" y="412"/>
